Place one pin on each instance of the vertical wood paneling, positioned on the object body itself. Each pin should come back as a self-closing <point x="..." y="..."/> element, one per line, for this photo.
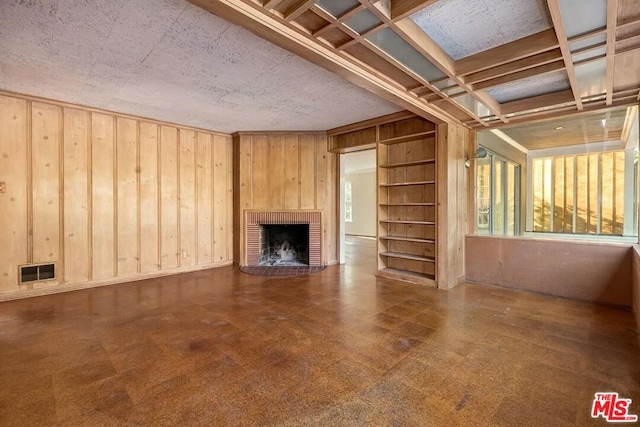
<point x="204" y="194"/>
<point x="76" y="203"/>
<point x="13" y="203"/>
<point x="45" y="157"/>
<point x="260" y="171"/>
<point x="220" y="196"/>
<point x="291" y="179"/>
<point x="127" y="241"/>
<point x="187" y="198"/>
<point x="168" y="197"/>
<point x="149" y="197"/>
<point x="106" y="197"/>
<point x="103" y="197"/>
<point x="307" y="149"/>
<point x="276" y="173"/>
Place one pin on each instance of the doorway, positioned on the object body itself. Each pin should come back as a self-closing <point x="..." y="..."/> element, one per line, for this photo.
<point x="358" y="208"/>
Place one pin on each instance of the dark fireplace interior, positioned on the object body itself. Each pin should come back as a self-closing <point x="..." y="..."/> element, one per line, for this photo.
<point x="284" y="244"/>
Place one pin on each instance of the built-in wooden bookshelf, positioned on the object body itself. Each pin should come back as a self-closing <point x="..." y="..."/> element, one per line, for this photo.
<point x="407" y="201"/>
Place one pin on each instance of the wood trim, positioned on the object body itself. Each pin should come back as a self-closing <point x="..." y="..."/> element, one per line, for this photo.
<point x="370" y="123"/>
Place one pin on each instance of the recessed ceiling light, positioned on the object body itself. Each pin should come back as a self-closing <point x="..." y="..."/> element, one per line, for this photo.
<point x="559" y="127"/>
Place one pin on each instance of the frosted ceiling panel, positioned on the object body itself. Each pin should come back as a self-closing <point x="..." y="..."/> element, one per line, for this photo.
<point x="465" y="27"/>
<point x="580" y="17"/>
<point x="589" y="41"/>
<point x="338" y="7"/>
<point x="532" y="86"/>
<point x="363" y="21"/>
<point x="590" y="54"/>
<point x="592" y="78"/>
<point x="403" y="52"/>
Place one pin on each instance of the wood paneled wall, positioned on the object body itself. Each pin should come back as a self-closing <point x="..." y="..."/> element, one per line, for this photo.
<point x="453" y="143"/>
<point x="285" y="171"/>
<point x="108" y="197"/>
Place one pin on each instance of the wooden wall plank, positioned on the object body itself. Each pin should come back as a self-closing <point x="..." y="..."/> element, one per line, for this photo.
<point x="276" y="172"/>
<point x="307" y="165"/>
<point x="220" y="195"/>
<point x="204" y="195"/>
<point x="149" y="233"/>
<point x="291" y="172"/>
<point x="46" y="128"/>
<point x="260" y="171"/>
<point x="230" y="236"/>
<point x="168" y="197"/>
<point x="127" y="196"/>
<point x="13" y="203"/>
<point x="187" y="198"/>
<point x="103" y="196"/>
<point x="76" y="195"/>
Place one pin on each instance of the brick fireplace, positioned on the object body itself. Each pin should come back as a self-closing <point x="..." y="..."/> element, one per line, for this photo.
<point x="257" y="229"/>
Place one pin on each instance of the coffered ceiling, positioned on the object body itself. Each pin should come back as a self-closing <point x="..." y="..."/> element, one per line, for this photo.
<point x="485" y="63"/>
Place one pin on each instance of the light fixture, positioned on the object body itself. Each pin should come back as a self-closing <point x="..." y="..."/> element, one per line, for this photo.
<point x="481" y="153"/>
<point x="559" y="127"/>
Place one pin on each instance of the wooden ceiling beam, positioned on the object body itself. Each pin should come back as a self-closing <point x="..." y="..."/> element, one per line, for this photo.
<point x="402" y="8"/>
<point x="535" y="71"/>
<point x="419" y="40"/>
<point x="612" y="21"/>
<point x="561" y="35"/>
<point x="515" y="66"/>
<point x="537" y="102"/>
<point x="299" y="9"/>
<point x="528" y="46"/>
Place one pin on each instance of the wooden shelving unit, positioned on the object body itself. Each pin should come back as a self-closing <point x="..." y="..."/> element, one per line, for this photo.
<point x="407" y="192"/>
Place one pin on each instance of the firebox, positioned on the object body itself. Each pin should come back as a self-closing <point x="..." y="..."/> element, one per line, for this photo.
<point x="284" y="244"/>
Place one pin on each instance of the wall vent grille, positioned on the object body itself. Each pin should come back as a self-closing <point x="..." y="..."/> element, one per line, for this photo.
<point x="37" y="272"/>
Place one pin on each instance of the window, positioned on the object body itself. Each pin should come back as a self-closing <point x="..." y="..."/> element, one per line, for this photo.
<point x="497" y="196"/>
<point x="348" y="204"/>
<point x="585" y="193"/>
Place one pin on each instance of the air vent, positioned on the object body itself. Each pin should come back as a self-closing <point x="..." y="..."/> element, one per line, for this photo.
<point x="37" y="272"/>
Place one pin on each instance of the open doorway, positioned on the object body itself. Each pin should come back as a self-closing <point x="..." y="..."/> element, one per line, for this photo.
<point x="358" y="208"/>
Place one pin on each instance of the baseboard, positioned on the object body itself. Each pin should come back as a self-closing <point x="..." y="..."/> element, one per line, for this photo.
<point x="69" y="287"/>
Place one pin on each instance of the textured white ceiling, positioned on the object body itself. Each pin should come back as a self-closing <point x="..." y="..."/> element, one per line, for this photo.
<point x="465" y="27"/>
<point x="169" y="60"/>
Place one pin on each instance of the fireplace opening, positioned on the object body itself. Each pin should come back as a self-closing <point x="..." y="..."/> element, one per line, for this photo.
<point x="284" y="244"/>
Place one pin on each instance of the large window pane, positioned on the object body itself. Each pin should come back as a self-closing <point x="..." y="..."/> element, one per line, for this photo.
<point x="499" y="201"/>
<point x="483" y="201"/>
<point x="512" y="192"/>
<point x="497" y="194"/>
<point x="581" y="194"/>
